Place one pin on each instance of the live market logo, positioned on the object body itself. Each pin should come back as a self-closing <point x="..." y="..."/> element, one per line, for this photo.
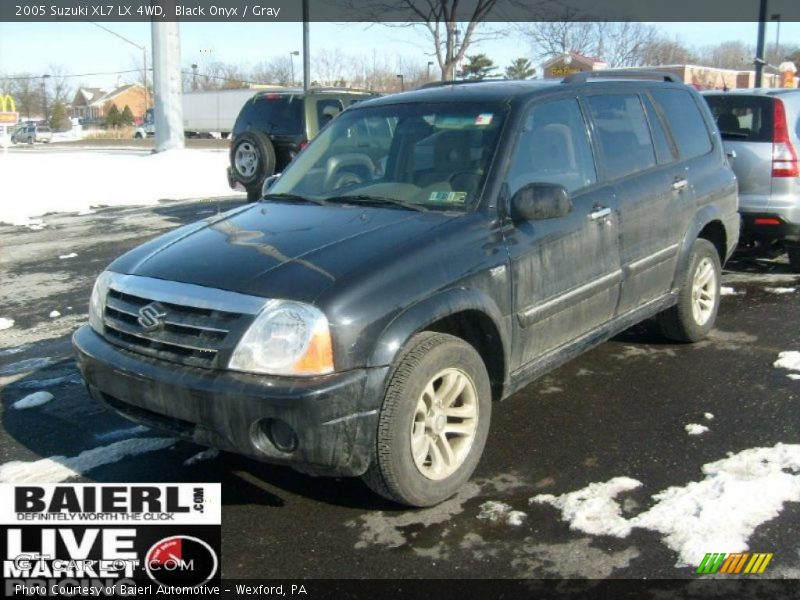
<point x="103" y="539"/>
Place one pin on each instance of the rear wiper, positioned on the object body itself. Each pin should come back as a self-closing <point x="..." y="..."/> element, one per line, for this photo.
<point x="295" y="198"/>
<point x="367" y="199"/>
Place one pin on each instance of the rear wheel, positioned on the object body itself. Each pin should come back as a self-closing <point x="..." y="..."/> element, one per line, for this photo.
<point x="794" y="258"/>
<point x="433" y="423"/>
<point x="693" y="316"/>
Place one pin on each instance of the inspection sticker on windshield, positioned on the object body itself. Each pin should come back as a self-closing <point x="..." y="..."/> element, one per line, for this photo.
<point x="484" y="119"/>
<point x="447" y="197"/>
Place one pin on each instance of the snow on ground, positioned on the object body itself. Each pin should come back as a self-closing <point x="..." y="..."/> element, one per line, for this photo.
<point x="6" y="323"/>
<point x="708" y="416"/>
<point x="31" y="400"/>
<point x="70" y="255"/>
<point x="695" y="429"/>
<point x="54" y="314"/>
<point x="78" y="180"/>
<point x="208" y="454"/>
<point x="500" y="512"/>
<point x="60" y="468"/>
<point x="748" y="488"/>
<point x="729" y="291"/>
<point x="789" y="360"/>
<point x="780" y="290"/>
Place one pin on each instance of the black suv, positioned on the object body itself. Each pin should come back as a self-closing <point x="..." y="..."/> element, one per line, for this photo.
<point x="273" y="127"/>
<point x="428" y="253"/>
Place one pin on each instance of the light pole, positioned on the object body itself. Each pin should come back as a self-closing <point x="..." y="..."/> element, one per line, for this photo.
<point x="777" y="18"/>
<point x="292" y="54"/>
<point x="402" y="82"/>
<point x="430" y="64"/>
<point x="144" y="59"/>
<point x="194" y="77"/>
<point x="45" y="77"/>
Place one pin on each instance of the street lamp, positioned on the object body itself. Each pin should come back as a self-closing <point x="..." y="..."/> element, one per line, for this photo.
<point x="292" y="54"/>
<point x="777" y="18"/>
<point x="430" y="64"/>
<point x="144" y="58"/>
<point x="402" y="82"/>
<point x="44" y="97"/>
<point x="194" y="77"/>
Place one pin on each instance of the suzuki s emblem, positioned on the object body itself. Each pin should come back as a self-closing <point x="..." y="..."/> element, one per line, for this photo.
<point x="151" y="317"/>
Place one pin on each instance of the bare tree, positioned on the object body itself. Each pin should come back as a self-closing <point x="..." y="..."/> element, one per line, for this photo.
<point x="619" y="43"/>
<point x="26" y="90"/>
<point x="450" y="25"/>
<point x="728" y="55"/>
<point x="59" y="88"/>
<point x="277" y="70"/>
<point x="664" y="51"/>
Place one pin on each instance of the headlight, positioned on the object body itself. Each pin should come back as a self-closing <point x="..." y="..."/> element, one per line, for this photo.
<point x="97" y="303"/>
<point x="286" y="338"/>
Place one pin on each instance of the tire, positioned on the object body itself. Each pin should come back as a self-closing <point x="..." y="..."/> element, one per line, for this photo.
<point x="691" y="319"/>
<point x="252" y="159"/>
<point x="794" y="258"/>
<point x="430" y="362"/>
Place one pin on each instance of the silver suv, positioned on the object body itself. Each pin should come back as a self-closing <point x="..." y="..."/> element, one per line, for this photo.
<point x="761" y="132"/>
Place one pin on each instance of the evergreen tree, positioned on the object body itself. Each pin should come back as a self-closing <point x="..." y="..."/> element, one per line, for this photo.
<point x="113" y="117"/>
<point x="59" y="120"/>
<point x="126" y="118"/>
<point x="520" y="68"/>
<point x="478" y="66"/>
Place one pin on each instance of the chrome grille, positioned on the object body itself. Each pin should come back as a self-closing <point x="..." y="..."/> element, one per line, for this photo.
<point x="198" y="336"/>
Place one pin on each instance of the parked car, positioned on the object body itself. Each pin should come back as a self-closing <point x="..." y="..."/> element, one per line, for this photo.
<point x="30" y="133"/>
<point x="760" y="129"/>
<point x="426" y="254"/>
<point x="273" y="127"/>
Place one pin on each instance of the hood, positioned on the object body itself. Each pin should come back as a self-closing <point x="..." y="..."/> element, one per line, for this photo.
<point x="278" y="250"/>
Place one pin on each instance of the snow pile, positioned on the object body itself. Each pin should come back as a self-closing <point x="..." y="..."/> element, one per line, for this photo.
<point x="721" y="512"/>
<point x="729" y="291"/>
<point x="79" y="180"/>
<point x="70" y="255"/>
<point x="780" y="290"/>
<point x="6" y="323"/>
<point x="708" y="416"/>
<point x="695" y="429"/>
<point x="789" y="360"/>
<point x="31" y="400"/>
<point x="54" y="314"/>
<point x="61" y="468"/>
<point x="209" y="454"/>
<point x="500" y="512"/>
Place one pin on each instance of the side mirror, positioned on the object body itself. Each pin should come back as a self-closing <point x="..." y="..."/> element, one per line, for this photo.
<point x="269" y="182"/>
<point x="537" y="201"/>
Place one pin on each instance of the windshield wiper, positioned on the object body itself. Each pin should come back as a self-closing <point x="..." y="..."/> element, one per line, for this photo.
<point x="295" y="198"/>
<point x="367" y="199"/>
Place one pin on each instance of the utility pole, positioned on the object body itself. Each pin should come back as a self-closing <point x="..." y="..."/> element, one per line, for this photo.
<point x="306" y="51"/>
<point x="167" y="85"/>
<point x="762" y="31"/>
<point x="45" y="77"/>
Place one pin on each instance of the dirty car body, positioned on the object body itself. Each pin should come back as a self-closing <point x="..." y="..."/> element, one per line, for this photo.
<point x="402" y="218"/>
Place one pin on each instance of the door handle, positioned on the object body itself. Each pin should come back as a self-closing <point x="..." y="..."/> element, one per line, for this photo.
<point x="679" y="184"/>
<point x="599" y="212"/>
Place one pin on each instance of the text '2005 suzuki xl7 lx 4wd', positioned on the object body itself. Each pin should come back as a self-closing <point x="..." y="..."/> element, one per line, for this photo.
<point x="427" y="253"/>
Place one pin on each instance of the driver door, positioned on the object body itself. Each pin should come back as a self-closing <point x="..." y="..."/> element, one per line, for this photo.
<point x="565" y="271"/>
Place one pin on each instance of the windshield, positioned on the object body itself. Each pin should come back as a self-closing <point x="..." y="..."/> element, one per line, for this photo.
<point x="432" y="156"/>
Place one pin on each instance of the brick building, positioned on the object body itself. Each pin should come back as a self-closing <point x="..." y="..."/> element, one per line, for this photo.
<point x="94" y="103"/>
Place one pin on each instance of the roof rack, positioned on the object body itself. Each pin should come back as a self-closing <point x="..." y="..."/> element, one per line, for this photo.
<point x="584" y="76"/>
<point x="435" y="84"/>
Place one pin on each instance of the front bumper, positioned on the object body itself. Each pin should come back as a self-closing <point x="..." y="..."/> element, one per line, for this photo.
<point x="334" y="417"/>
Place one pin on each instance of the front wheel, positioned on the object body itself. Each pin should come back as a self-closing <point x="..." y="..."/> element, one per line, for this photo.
<point x="692" y="318"/>
<point x="434" y="421"/>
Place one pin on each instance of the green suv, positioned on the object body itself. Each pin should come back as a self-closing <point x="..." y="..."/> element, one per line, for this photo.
<point x="273" y="127"/>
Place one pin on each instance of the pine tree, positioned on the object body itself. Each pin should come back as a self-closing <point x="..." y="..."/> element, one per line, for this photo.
<point x="520" y="68"/>
<point x="59" y="120"/>
<point x="479" y="66"/>
<point x="127" y="116"/>
<point x="113" y="118"/>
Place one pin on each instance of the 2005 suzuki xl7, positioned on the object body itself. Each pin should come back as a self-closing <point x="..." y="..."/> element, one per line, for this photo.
<point x="427" y="253"/>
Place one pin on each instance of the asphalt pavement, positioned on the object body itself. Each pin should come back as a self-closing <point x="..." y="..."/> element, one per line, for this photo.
<point x="620" y="410"/>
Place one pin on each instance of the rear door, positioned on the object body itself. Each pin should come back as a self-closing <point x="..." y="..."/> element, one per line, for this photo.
<point x="745" y="125"/>
<point x="565" y="271"/>
<point x="651" y="189"/>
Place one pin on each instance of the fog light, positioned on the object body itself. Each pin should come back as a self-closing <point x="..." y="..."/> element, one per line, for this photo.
<point x="275" y="433"/>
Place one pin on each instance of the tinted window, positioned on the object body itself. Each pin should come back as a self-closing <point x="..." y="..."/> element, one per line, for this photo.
<point x="623" y="133"/>
<point x="664" y="150"/>
<point x="553" y="148"/>
<point x="684" y="118"/>
<point x="280" y="114"/>
<point x="742" y="118"/>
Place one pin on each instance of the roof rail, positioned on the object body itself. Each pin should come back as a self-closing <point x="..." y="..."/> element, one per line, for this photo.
<point x="435" y="84"/>
<point x="584" y="76"/>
